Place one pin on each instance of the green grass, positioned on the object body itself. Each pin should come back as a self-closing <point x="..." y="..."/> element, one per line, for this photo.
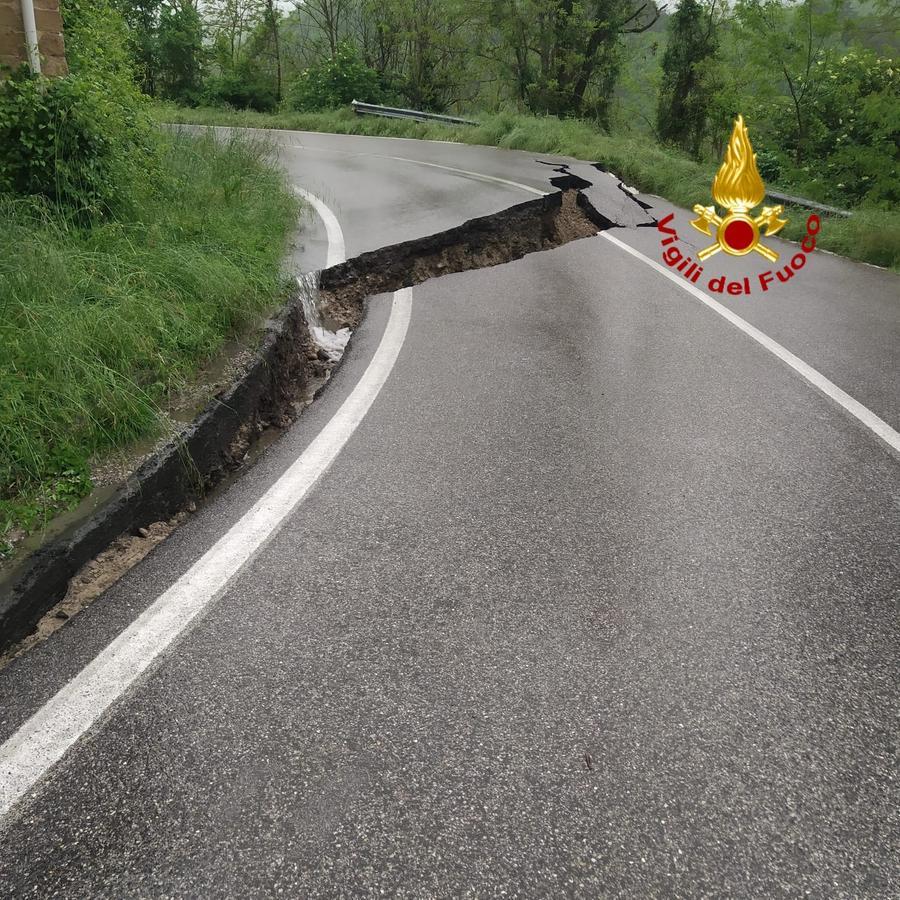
<point x="871" y="236"/>
<point x="98" y="326"/>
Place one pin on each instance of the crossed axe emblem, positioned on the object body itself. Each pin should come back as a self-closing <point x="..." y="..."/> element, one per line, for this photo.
<point x="769" y="219"/>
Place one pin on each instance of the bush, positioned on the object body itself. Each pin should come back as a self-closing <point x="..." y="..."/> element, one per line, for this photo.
<point x="769" y="165"/>
<point x="64" y="139"/>
<point x="83" y="141"/>
<point x="335" y="82"/>
<point x="856" y="120"/>
<point x="849" y="152"/>
<point x="242" y="88"/>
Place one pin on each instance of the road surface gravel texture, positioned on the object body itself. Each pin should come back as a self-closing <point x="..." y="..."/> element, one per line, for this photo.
<point x="600" y="597"/>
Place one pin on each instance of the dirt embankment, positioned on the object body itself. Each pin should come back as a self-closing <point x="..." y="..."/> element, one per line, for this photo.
<point x="270" y="389"/>
<point x="529" y="227"/>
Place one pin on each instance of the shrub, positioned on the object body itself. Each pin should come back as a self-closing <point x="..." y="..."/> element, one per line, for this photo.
<point x="66" y="140"/>
<point x="242" y="88"/>
<point x="335" y="82"/>
<point x="769" y="164"/>
<point x="83" y="141"/>
<point x="856" y="122"/>
<point x="849" y="150"/>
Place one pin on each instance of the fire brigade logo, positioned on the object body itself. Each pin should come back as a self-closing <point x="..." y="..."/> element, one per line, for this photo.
<point x="738" y="188"/>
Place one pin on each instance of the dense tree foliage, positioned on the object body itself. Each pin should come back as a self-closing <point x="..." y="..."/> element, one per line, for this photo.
<point x="181" y="54"/>
<point x="816" y="79"/>
<point x="82" y="141"/>
<point x="564" y="56"/>
<point x="682" y="107"/>
<point x="336" y="81"/>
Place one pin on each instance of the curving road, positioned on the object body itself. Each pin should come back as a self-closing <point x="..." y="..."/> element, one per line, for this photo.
<point x="566" y="586"/>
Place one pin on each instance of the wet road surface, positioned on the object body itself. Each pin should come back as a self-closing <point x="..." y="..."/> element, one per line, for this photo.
<point x="600" y="598"/>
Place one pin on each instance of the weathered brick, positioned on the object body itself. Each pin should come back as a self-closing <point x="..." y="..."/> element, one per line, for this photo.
<point x="12" y="47"/>
<point x="11" y="52"/>
<point x="50" y="39"/>
<point x="51" y="45"/>
<point x="48" y="20"/>
<point x="10" y="13"/>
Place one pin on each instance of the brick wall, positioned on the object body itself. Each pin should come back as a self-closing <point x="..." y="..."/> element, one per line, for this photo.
<point x="50" y="38"/>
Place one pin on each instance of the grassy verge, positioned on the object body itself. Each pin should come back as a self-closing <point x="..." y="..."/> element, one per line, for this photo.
<point x="871" y="236"/>
<point x="98" y="325"/>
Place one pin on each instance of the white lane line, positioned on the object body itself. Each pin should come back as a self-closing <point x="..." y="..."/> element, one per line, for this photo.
<point x="876" y="425"/>
<point x="418" y="162"/>
<point x="43" y="740"/>
<point x="478" y="175"/>
<point x="336" y="250"/>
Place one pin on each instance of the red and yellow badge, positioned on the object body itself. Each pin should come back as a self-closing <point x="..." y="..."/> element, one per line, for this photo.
<point x="739" y="188"/>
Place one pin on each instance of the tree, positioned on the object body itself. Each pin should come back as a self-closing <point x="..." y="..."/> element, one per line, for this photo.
<point x="142" y="19"/>
<point x="377" y="32"/>
<point x="422" y="50"/>
<point x="329" y="16"/>
<point x="229" y="22"/>
<point x="166" y="38"/>
<point x="180" y="53"/>
<point x="335" y="82"/>
<point x="681" y="112"/>
<point x="558" y="50"/>
<point x="271" y="19"/>
<point x="798" y="42"/>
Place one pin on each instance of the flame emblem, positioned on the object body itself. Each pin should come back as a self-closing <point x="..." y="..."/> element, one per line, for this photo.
<point x="737" y="185"/>
<point x="738" y="188"/>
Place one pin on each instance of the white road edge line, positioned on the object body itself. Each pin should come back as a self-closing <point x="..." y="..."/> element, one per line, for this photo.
<point x="478" y="175"/>
<point x="313" y="200"/>
<point x="337" y="252"/>
<point x="43" y="740"/>
<point x="418" y="162"/>
<point x="876" y="425"/>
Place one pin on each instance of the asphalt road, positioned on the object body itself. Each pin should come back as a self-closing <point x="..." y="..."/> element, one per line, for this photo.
<point x="600" y="598"/>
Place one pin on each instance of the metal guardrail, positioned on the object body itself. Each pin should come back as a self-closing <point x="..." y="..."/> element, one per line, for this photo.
<point x="808" y="204"/>
<point x="392" y="112"/>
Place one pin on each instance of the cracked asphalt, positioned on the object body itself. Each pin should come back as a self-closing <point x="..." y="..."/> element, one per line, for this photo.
<point x="600" y="599"/>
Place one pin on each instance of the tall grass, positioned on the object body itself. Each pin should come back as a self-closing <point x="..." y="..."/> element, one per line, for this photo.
<point x="869" y="235"/>
<point x="98" y="325"/>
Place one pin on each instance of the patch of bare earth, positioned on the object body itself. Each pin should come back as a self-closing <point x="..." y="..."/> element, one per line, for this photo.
<point x="492" y="240"/>
<point x="301" y="367"/>
<point x="94" y="578"/>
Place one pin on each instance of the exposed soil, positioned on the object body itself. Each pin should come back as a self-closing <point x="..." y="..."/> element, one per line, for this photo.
<point x="249" y="395"/>
<point x="94" y="578"/>
<point x="528" y="227"/>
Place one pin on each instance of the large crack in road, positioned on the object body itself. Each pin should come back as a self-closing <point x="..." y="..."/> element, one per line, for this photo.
<point x="595" y="599"/>
<point x="303" y="358"/>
